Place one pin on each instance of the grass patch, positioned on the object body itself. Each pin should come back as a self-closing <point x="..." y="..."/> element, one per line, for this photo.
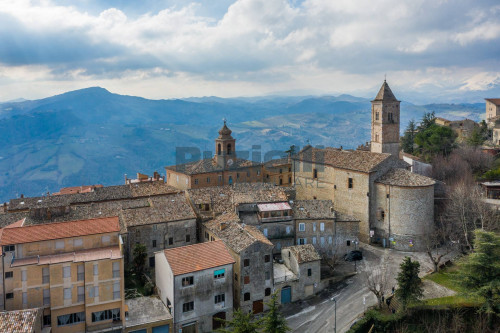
<point x="446" y="278"/>
<point x="456" y="301"/>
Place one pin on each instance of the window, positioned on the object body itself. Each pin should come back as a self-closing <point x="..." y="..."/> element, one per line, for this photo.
<point x="348" y="243"/>
<point x="105" y="239"/>
<point x="151" y="262"/>
<point x="206" y="235"/>
<point x="322" y="226"/>
<point x="208" y="179"/>
<point x="67" y="293"/>
<point x="46" y="297"/>
<point x="229" y="149"/>
<point x="9" y="248"/>
<point x="235" y="277"/>
<point x="376" y="138"/>
<point x="116" y="269"/>
<point x="258" y="172"/>
<point x="265" y="232"/>
<point x="9" y="275"/>
<point x="330" y="240"/>
<point x="248" y="173"/>
<point x="70" y="319"/>
<point x="45" y="275"/>
<point x="196" y="181"/>
<point x="349" y="183"/>
<point x="309" y="272"/>
<point x="237" y="175"/>
<point x="218" y="149"/>
<point x="314" y="240"/>
<point x="155" y="227"/>
<point x="189" y="306"/>
<point x="246" y="279"/>
<point x="322" y="240"/>
<point x="302" y="227"/>
<point x="187" y="281"/>
<point x="315" y="173"/>
<point x="23" y="275"/>
<point x="281" y="170"/>
<point x="220" y="273"/>
<point x="246" y="296"/>
<point x="287" y="230"/>
<point x="220" y="178"/>
<point x="47" y="320"/>
<point x="94" y="292"/>
<point x="113" y="314"/>
<point x="9" y="295"/>
<point x="25" y="298"/>
<point x="389" y="117"/>
<point x="67" y="272"/>
<point x="154" y="242"/>
<point x="78" y="242"/>
<point x="268" y="275"/>
<point x="382" y="215"/>
<point x="246" y="262"/>
<point x="116" y="290"/>
<point x="376" y="115"/>
<point x="59" y="245"/>
<point x="81" y="293"/>
<point x="219" y="298"/>
<point x="188" y="238"/>
<point x="267" y="258"/>
<point x="301" y="241"/>
<point x="96" y="269"/>
<point x="281" y="181"/>
<point x="80" y="272"/>
<point x="267" y="292"/>
<point x="314" y="226"/>
<point x="170" y="240"/>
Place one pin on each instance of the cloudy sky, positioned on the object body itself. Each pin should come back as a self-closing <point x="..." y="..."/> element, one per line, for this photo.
<point x="430" y="50"/>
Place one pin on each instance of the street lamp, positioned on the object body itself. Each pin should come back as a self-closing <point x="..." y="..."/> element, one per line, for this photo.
<point x="335" y="327"/>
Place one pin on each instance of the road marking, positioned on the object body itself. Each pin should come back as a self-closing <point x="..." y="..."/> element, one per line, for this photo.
<point x="306" y="310"/>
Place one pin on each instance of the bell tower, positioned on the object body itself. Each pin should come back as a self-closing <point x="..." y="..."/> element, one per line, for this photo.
<point x="225" y="147"/>
<point x="385" y="122"/>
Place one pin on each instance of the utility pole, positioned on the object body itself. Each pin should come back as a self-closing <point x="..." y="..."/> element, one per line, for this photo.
<point x="335" y="327"/>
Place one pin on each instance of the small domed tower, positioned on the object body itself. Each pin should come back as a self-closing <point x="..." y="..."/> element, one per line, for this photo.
<point x="225" y="147"/>
<point x="385" y="122"/>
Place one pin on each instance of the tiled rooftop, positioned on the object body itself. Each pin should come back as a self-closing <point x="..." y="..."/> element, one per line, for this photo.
<point x="495" y="101"/>
<point x="197" y="257"/>
<point x="108" y="193"/>
<point x="168" y="208"/>
<point x="209" y="165"/>
<point x="19" y="321"/>
<point x="356" y="160"/>
<point x="304" y="253"/>
<point x="402" y="177"/>
<point x="313" y="209"/>
<point x="59" y="230"/>
<point x="235" y="235"/>
<point x="110" y="252"/>
<point x="385" y="94"/>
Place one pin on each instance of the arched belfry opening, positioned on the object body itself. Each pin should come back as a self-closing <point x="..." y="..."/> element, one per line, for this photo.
<point x="225" y="146"/>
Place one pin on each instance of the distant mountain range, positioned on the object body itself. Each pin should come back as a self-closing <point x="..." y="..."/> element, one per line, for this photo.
<point x="92" y="136"/>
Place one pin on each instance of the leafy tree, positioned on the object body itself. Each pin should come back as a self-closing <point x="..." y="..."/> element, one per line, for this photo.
<point x="408" y="139"/>
<point x="478" y="135"/>
<point x="273" y="321"/>
<point x="241" y="323"/>
<point x="139" y="261"/>
<point x="479" y="273"/>
<point x="435" y="140"/>
<point x="428" y="120"/>
<point x="409" y="284"/>
<point x="291" y="151"/>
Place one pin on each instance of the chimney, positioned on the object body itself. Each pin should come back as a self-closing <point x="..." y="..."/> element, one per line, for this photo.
<point x="156" y="176"/>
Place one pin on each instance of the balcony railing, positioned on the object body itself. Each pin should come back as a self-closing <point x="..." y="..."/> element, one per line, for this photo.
<point x="275" y="219"/>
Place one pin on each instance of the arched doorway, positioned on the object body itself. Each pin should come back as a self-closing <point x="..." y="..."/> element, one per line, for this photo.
<point x="230" y="180"/>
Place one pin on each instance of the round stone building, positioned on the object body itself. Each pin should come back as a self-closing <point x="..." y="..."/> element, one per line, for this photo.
<point x="404" y="210"/>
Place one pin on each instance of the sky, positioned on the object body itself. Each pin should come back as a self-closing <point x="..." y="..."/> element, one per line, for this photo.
<point x="429" y="50"/>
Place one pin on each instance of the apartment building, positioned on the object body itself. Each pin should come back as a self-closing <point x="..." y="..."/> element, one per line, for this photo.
<point x="195" y="283"/>
<point x="73" y="270"/>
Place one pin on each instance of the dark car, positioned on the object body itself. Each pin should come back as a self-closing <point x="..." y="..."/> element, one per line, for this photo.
<point x="353" y="256"/>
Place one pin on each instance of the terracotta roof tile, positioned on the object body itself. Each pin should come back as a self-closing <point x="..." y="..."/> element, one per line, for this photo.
<point x="59" y="230"/>
<point x="197" y="257"/>
<point x="385" y="94"/>
<point x="209" y="165"/>
<point x="19" y="321"/>
<point x="495" y="101"/>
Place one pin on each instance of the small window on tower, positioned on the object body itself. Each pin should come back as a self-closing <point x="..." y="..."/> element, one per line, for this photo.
<point x="376" y="115"/>
<point x="350" y="183"/>
<point x="390" y="117"/>
<point x="315" y="173"/>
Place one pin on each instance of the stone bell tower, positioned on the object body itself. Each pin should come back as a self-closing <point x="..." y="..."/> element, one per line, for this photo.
<point x="225" y="147"/>
<point x="385" y="122"/>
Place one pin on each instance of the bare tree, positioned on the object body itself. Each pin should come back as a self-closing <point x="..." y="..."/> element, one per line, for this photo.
<point x="441" y="241"/>
<point x="331" y="258"/>
<point x="377" y="281"/>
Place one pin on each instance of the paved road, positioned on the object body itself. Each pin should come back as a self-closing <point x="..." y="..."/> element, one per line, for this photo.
<point x="318" y="314"/>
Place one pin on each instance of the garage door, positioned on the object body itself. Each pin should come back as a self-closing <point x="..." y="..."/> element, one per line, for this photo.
<point x="286" y="295"/>
<point x="309" y="290"/>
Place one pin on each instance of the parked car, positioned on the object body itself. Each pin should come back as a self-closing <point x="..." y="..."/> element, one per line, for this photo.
<point x="354" y="256"/>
